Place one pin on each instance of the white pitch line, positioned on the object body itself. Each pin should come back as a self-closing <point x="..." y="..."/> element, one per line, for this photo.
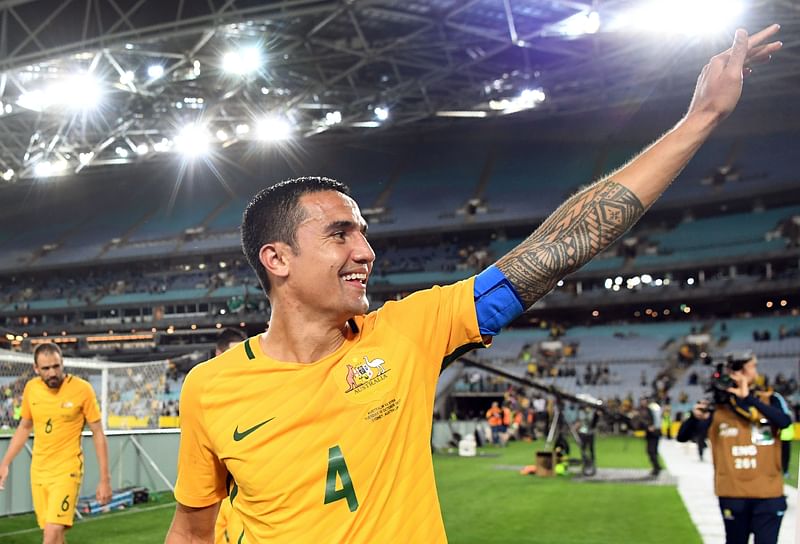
<point x="99" y="518"/>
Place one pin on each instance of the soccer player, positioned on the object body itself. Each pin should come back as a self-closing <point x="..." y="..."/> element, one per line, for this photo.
<point x="56" y="406"/>
<point x="228" y="527"/>
<point x="324" y="420"/>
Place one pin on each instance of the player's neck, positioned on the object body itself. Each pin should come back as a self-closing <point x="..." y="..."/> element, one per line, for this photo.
<point x="293" y="337"/>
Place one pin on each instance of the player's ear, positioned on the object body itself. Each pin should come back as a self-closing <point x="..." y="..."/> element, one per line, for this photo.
<point x="275" y="258"/>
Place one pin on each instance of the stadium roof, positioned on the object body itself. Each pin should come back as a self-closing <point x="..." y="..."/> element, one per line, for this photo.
<point x="98" y="82"/>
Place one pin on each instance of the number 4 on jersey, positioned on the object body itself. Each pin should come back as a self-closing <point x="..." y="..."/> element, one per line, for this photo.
<point x="336" y="465"/>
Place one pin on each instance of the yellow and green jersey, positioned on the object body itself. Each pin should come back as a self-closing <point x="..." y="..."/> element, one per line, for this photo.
<point x="333" y="451"/>
<point x="58" y="419"/>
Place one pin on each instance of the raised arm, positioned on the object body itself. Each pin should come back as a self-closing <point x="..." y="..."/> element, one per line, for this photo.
<point x="103" y="493"/>
<point x="15" y="445"/>
<point x="591" y="220"/>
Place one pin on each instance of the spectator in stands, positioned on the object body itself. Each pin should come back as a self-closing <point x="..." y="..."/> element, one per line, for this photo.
<point x="312" y="381"/>
<point x="494" y="416"/>
<point x="747" y="453"/>
<point x="507" y="421"/>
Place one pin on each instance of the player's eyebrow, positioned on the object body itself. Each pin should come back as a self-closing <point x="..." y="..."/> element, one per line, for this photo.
<point x="346" y="225"/>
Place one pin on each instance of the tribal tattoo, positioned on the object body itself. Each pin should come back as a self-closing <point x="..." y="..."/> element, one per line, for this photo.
<point x="579" y="229"/>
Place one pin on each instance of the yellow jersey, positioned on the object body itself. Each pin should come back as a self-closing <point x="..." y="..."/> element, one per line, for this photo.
<point x="333" y="451"/>
<point x="58" y="419"/>
<point x="228" y="527"/>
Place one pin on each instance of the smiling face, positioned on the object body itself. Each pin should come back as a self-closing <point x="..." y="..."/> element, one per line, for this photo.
<point x="327" y="271"/>
<point x="49" y="367"/>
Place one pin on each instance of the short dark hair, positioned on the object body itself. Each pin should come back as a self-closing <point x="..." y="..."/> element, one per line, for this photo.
<point x="273" y="215"/>
<point x="229" y="336"/>
<point x="47" y="347"/>
<point x="737" y="359"/>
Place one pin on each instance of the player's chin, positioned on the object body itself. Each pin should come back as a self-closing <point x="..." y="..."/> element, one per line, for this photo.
<point x="359" y="306"/>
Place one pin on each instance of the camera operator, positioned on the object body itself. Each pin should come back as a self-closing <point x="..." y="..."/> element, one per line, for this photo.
<point x="743" y="429"/>
<point x="650" y="422"/>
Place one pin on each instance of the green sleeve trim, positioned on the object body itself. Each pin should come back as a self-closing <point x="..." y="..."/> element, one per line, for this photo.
<point x="248" y="350"/>
<point x="458" y="352"/>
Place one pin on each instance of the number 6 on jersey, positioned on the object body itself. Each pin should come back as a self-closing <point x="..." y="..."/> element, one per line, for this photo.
<point x="336" y="465"/>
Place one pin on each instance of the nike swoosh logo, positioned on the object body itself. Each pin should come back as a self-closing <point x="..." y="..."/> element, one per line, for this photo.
<point x="240" y="435"/>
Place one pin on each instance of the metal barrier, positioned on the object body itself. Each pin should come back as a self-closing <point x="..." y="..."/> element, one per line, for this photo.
<point x="146" y="458"/>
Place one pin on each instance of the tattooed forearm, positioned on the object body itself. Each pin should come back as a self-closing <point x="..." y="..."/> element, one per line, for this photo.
<point x="578" y="230"/>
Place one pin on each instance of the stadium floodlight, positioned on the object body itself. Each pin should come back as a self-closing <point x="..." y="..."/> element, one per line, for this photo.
<point x="242" y="129"/>
<point x="33" y="100"/>
<point x="8" y="174"/>
<point x="221" y="135"/>
<point x="365" y="124"/>
<point x="683" y="16"/>
<point x="527" y="99"/>
<point x="80" y="91"/>
<point x="126" y="77"/>
<point x="44" y="168"/>
<point x="121" y="152"/>
<point x="647" y="278"/>
<point x="609" y="283"/>
<point x="85" y="158"/>
<point x="466" y="114"/>
<point x="585" y="22"/>
<point x="193" y="140"/>
<point x="142" y="149"/>
<point x="242" y="61"/>
<point x="162" y="146"/>
<point x="8" y="108"/>
<point x="273" y="129"/>
<point x="381" y="113"/>
<point x="155" y="71"/>
<point x="332" y="118"/>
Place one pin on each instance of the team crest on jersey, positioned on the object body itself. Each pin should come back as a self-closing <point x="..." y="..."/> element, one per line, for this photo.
<point x="726" y="430"/>
<point x="362" y="375"/>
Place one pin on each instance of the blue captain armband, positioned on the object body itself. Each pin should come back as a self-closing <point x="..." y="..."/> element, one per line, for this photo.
<point x="496" y="301"/>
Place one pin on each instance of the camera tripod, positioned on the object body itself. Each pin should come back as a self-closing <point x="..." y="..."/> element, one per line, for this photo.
<point x="557" y="437"/>
<point x="559" y="428"/>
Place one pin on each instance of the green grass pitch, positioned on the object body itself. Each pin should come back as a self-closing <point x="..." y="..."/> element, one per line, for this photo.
<point x="482" y="504"/>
